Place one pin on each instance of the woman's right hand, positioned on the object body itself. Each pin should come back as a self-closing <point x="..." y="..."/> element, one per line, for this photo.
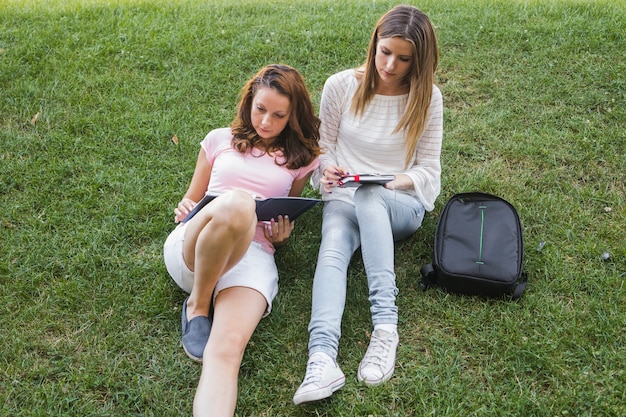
<point x="183" y="209"/>
<point x="331" y="175"/>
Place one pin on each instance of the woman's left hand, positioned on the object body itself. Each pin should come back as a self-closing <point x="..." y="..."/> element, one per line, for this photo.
<point x="278" y="231"/>
<point x="402" y="182"/>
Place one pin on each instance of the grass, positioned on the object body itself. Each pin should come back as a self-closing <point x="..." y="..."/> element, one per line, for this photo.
<point x="91" y="95"/>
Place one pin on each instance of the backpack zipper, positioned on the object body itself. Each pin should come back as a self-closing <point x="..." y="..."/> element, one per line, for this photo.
<point x="482" y="231"/>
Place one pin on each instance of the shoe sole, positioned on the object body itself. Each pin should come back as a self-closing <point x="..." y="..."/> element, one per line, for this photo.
<point x="319" y="394"/>
<point x="192" y="357"/>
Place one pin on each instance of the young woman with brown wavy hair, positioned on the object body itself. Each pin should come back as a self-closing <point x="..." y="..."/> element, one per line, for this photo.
<point x="223" y="256"/>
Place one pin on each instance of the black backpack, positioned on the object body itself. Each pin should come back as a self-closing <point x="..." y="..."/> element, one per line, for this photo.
<point x="479" y="248"/>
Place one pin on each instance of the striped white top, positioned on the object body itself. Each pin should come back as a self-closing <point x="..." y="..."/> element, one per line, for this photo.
<point x="366" y="145"/>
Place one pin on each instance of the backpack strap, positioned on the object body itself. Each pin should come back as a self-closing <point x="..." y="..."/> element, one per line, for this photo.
<point x="428" y="276"/>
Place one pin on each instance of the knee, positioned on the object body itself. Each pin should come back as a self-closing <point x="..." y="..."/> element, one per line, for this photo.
<point x="370" y="203"/>
<point x="335" y="254"/>
<point x="229" y="348"/>
<point x="236" y="209"/>
<point x="368" y="193"/>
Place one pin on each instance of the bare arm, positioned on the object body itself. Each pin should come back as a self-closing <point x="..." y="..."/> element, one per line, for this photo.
<point x="197" y="187"/>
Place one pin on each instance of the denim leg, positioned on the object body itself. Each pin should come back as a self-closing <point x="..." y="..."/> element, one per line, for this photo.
<point x="340" y="238"/>
<point x="384" y="216"/>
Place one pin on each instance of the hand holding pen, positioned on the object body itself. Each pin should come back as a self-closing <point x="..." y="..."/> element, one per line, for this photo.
<point x="331" y="176"/>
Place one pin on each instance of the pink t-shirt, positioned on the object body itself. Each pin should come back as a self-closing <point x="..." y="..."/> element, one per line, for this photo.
<point x="254" y="172"/>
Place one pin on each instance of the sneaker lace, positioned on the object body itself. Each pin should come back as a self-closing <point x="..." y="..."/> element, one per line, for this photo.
<point x="378" y="351"/>
<point x="314" y="371"/>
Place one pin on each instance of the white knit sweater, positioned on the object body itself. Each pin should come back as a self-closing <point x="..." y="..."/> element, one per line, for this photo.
<point x="366" y="145"/>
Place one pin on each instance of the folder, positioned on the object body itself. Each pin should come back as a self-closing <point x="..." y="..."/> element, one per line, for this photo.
<point x="268" y="208"/>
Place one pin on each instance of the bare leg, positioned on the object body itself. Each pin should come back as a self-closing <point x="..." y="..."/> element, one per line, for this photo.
<point x="215" y="240"/>
<point x="238" y="311"/>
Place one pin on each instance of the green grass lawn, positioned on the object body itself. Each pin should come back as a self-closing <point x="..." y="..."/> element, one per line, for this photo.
<point x="91" y="94"/>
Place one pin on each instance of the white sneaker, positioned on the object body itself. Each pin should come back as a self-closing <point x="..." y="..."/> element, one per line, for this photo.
<point x="323" y="377"/>
<point x="377" y="365"/>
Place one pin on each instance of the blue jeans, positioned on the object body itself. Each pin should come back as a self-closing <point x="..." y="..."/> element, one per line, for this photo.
<point x="378" y="218"/>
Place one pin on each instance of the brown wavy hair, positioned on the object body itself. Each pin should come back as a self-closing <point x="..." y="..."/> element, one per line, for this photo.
<point x="299" y="140"/>
<point x="411" y="24"/>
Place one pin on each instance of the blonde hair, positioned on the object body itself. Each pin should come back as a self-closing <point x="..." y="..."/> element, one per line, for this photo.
<point x="411" y="24"/>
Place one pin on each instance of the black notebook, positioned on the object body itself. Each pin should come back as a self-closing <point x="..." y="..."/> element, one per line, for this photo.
<point x="358" y="180"/>
<point x="269" y="208"/>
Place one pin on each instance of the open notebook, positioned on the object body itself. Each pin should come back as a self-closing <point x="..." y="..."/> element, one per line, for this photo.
<point x="269" y="208"/>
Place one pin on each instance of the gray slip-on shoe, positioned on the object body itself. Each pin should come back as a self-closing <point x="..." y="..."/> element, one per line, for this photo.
<point x="195" y="334"/>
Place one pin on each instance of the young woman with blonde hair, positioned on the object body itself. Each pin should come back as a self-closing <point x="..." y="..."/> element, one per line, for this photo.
<point x="385" y="117"/>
